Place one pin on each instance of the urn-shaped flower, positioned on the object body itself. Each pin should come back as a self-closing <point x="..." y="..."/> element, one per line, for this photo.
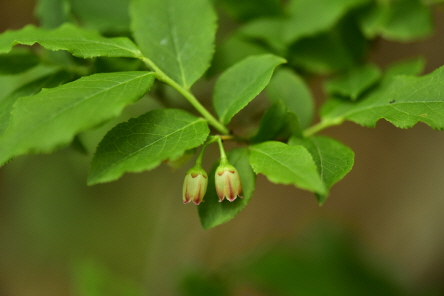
<point x="195" y="185"/>
<point x="228" y="184"/>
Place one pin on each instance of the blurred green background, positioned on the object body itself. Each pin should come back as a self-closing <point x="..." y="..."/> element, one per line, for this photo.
<point x="381" y="232"/>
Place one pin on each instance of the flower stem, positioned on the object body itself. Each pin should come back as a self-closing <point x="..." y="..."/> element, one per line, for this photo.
<point x="210" y="140"/>
<point x="188" y="95"/>
<point x="223" y="156"/>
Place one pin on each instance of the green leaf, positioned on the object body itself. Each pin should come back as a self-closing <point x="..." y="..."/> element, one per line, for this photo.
<point x="111" y="16"/>
<point x="10" y="83"/>
<point x="211" y="211"/>
<point x="284" y="164"/>
<point x="353" y="83"/>
<point x="333" y="159"/>
<point x="178" y="36"/>
<point x="397" y="20"/>
<point x="412" y="66"/>
<point x="53" y="13"/>
<point x="17" y="61"/>
<point x="275" y="122"/>
<point x="241" y="83"/>
<point x="403" y="101"/>
<point x="52" y="118"/>
<point x="79" y="42"/>
<point x="29" y="89"/>
<point x="245" y="10"/>
<point x="272" y="123"/>
<point x="305" y="18"/>
<point x="268" y="30"/>
<point x="143" y="143"/>
<point x="289" y="87"/>
<point x="308" y="17"/>
<point x="233" y="50"/>
<point x="343" y="47"/>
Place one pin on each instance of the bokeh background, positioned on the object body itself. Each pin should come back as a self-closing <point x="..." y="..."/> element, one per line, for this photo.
<point x="381" y="232"/>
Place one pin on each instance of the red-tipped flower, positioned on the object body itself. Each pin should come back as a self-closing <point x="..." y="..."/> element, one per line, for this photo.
<point x="195" y="185"/>
<point x="228" y="184"/>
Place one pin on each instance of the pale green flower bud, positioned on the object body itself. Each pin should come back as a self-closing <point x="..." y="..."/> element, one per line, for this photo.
<point x="228" y="184"/>
<point x="195" y="185"/>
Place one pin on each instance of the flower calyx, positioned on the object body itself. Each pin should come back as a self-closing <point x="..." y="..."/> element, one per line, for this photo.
<point x="227" y="179"/>
<point x="195" y="185"/>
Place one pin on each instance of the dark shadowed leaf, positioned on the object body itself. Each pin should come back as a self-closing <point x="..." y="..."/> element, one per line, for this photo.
<point x="287" y="86"/>
<point x="354" y="82"/>
<point x="29" y="89"/>
<point x="400" y="20"/>
<point x="276" y="122"/>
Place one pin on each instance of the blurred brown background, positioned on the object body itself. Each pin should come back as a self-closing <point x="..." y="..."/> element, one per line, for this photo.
<point x="392" y="202"/>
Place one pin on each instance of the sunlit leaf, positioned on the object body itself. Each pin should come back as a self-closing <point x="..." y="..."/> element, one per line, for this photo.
<point x="178" y="36"/>
<point x="51" y="118"/>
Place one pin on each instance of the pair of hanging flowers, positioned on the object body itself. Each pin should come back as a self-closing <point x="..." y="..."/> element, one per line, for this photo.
<point x="228" y="184"/>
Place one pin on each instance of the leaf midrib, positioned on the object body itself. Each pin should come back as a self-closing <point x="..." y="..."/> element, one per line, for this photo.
<point x="321" y="160"/>
<point x="86" y="41"/>
<point x="230" y="106"/>
<point x="56" y="114"/>
<point x="262" y="152"/>
<point x="148" y="145"/>
<point x="178" y="53"/>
